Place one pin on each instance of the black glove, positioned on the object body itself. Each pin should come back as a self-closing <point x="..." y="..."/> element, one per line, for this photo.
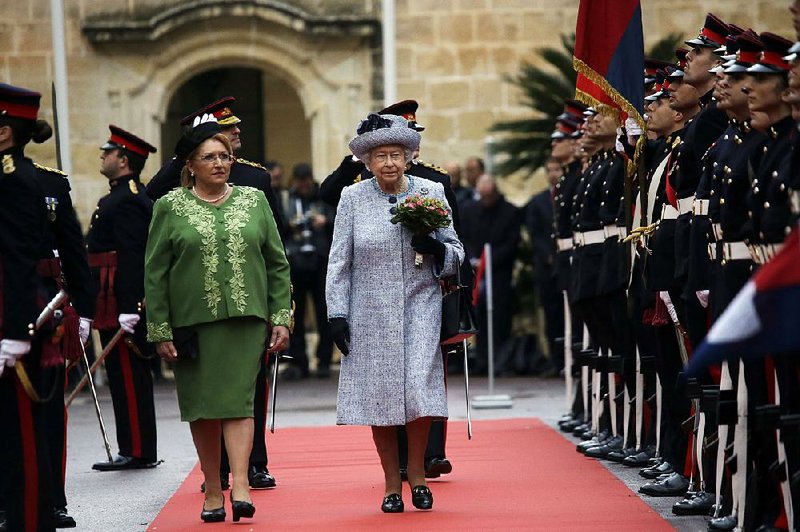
<point x="340" y="330"/>
<point x="427" y="245"/>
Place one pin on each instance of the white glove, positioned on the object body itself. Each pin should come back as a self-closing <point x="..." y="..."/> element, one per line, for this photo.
<point x="619" y="147"/>
<point x="128" y="322"/>
<point x="702" y="296"/>
<point x="11" y="351"/>
<point x="84" y="329"/>
<point x="632" y="128"/>
<point x="673" y="314"/>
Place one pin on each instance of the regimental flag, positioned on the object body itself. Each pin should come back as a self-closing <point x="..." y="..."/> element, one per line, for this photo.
<point x="609" y="56"/>
<point x="763" y="319"/>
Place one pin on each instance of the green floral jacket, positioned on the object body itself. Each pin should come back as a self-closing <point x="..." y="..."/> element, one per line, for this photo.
<point x="205" y="263"/>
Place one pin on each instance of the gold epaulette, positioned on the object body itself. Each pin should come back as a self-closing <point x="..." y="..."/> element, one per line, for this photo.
<point x="48" y="169"/>
<point x="432" y="167"/>
<point x="250" y="163"/>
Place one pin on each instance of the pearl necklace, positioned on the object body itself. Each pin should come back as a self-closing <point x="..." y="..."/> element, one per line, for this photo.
<point x="196" y="195"/>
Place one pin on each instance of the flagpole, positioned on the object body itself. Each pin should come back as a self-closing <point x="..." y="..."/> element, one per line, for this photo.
<point x="389" y="53"/>
<point x="60" y="83"/>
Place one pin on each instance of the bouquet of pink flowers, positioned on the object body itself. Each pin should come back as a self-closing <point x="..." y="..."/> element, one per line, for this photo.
<point x="421" y="216"/>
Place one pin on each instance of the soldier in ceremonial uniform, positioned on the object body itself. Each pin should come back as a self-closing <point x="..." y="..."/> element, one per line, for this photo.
<point x="116" y="243"/>
<point x="26" y="490"/>
<point x="243" y="173"/>
<point x="63" y="265"/>
<point x="351" y="171"/>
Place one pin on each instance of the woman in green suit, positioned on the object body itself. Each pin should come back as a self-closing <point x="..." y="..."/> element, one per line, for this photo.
<point x="218" y="297"/>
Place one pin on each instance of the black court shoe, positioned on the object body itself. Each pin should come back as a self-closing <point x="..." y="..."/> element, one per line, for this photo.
<point x="217" y="515"/>
<point x="421" y="497"/>
<point x="242" y="509"/>
<point x="392" y="504"/>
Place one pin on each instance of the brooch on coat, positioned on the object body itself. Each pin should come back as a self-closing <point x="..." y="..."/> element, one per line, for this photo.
<point x="423" y="191"/>
<point x="51" y="204"/>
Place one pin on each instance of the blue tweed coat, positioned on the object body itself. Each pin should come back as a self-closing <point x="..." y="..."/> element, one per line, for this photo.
<point x="394" y="372"/>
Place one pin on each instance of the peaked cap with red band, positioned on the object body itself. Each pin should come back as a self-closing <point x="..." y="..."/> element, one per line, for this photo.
<point x="573" y="109"/>
<point x="772" y="59"/>
<point x="747" y="55"/>
<point x="408" y="110"/>
<point x="121" y="139"/>
<point x="712" y="34"/>
<point x="16" y="102"/>
<point x="221" y="109"/>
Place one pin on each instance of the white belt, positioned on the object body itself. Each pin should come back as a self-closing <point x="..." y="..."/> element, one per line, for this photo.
<point x="622" y="232"/>
<point x="685" y="205"/>
<point x="590" y="237"/>
<point x="700" y="207"/>
<point x="668" y="212"/>
<point x="735" y="251"/>
<point x="717" y="229"/>
<point x="763" y="253"/>
<point x="564" y="244"/>
<point x="712" y="251"/>
<point x="610" y="231"/>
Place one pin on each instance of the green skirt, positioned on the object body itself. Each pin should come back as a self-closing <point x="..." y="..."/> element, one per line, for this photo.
<point x="220" y="382"/>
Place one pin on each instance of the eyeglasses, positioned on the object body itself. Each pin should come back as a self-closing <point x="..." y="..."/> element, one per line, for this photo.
<point x="395" y="157"/>
<point x="211" y="158"/>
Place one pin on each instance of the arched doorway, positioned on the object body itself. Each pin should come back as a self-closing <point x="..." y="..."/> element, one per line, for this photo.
<point x="274" y="125"/>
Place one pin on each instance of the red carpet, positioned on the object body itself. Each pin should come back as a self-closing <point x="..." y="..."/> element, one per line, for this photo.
<point x="516" y="474"/>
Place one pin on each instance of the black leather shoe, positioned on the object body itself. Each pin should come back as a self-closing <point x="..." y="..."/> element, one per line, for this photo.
<point x="656" y="471"/>
<point x="580" y="429"/>
<point x="242" y="509"/>
<point x="727" y="522"/>
<point x="421" y="497"/>
<point x="436" y="467"/>
<point x="671" y="486"/>
<point x="699" y="504"/>
<point x="601" y="451"/>
<point x="260" y="478"/>
<point x="61" y="519"/>
<point x="224" y="482"/>
<point x="392" y="504"/>
<point x="639" y="459"/>
<point x="121" y="463"/>
<point x="217" y="515"/>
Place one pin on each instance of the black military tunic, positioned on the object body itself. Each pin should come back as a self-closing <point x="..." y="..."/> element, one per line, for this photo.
<point x="562" y="220"/>
<point x="700" y="133"/>
<point x="64" y="237"/>
<point x="119" y="226"/>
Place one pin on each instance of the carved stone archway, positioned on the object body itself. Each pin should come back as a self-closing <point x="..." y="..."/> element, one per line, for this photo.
<point x="329" y="61"/>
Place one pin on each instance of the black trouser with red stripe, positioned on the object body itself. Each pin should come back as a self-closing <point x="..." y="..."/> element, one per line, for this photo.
<point x="55" y="414"/>
<point x="24" y="463"/>
<point x="258" y="455"/>
<point x="131" y="385"/>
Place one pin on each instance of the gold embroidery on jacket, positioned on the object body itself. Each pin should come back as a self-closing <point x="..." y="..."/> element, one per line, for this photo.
<point x="235" y="219"/>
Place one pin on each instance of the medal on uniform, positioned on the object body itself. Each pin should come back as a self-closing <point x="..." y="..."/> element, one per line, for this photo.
<point x="8" y="164"/>
<point x="51" y="204"/>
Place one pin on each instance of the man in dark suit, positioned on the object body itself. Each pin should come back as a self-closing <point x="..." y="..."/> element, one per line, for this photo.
<point x="495" y="221"/>
<point x="539" y="223"/>
<point x="243" y="173"/>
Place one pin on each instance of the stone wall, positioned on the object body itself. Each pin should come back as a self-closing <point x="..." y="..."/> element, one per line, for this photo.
<point x="452" y="55"/>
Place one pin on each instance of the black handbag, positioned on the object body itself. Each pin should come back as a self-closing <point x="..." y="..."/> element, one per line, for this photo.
<point x="186" y="342"/>
<point x="458" y="316"/>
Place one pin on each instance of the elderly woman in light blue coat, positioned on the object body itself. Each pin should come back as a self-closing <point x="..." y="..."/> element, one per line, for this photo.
<point x="385" y="313"/>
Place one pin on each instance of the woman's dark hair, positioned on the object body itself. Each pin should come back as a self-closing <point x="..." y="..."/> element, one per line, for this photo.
<point x="25" y="131"/>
